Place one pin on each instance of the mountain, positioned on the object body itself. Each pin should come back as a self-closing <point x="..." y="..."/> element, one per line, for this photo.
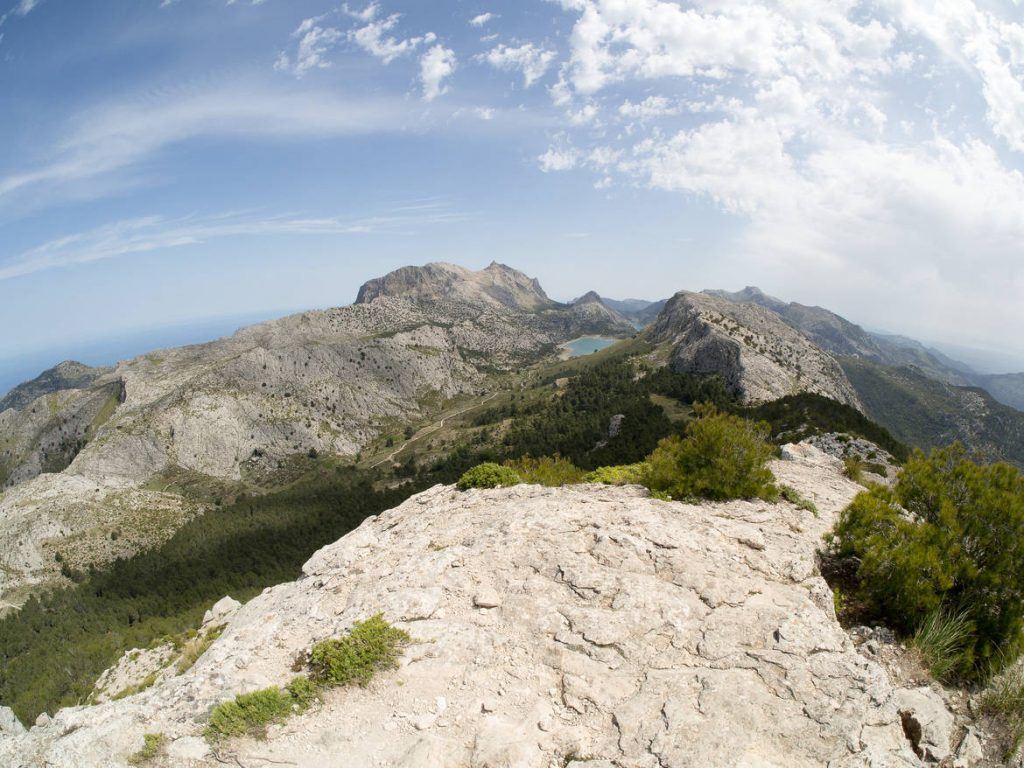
<point x="841" y="337"/>
<point x="593" y="309"/>
<point x="97" y="472"/>
<point x="66" y="375"/>
<point x="583" y="626"/>
<point x="638" y="311"/>
<point x="928" y="413"/>
<point x="757" y="354"/>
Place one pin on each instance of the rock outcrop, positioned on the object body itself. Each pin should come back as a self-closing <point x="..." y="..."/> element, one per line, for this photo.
<point x="755" y="352"/>
<point x="586" y="626"/>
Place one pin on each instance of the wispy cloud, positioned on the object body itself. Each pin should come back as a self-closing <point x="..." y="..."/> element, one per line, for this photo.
<point x="125" y="133"/>
<point x="23" y="8"/>
<point x="436" y="66"/>
<point x="157" y="233"/>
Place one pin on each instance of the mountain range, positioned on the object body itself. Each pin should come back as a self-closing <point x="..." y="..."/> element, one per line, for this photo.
<point x="99" y="463"/>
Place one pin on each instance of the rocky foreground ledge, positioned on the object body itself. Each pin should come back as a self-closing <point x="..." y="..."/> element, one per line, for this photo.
<point x="586" y="626"/>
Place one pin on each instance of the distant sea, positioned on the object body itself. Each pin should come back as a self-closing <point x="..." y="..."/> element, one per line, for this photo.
<point x="123" y="346"/>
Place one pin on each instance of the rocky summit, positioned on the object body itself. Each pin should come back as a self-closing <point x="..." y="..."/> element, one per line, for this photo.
<point x="585" y="626"/>
<point x="750" y="346"/>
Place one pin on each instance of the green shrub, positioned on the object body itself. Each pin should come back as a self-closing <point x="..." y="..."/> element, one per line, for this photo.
<point x="303" y="692"/>
<point x="551" y="471"/>
<point x="948" y="536"/>
<point x="721" y="457"/>
<point x="249" y="714"/>
<point x="488" y="475"/>
<point x="623" y="474"/>
<point x="1003" y="700"/>
<point x="941" y="639"/>
<point x="371" y="646"/>
<point x="152" y="746"/>
<point x="853" y="468"/>
<point x="792" y="495"/>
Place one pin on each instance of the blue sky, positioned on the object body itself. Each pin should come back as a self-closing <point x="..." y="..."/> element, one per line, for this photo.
<point x="172" y="162"/>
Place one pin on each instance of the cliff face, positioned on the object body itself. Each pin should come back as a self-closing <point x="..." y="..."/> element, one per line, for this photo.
<point x="585" y="626"/>
<point x="751" y="347"/>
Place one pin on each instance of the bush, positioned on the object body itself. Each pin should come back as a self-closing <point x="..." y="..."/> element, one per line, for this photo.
<point x="249" y="714"/>
<point x="623" y="474"/>
<point x="549" y="471"/>
<point x="488" y="475"/>
<point x="371" y="646"/>
<point x="948" y="536"/>
<point x="721" y="457"/>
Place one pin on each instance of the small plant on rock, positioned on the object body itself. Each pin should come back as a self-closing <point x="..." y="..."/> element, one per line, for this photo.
<point x="792" y="495"/>
<point x="152" y="746"/>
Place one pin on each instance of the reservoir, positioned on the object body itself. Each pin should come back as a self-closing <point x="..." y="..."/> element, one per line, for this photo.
<point x="586" y="345"/>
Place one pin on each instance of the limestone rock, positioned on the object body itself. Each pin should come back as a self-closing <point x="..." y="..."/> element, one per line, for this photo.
<point x="632" y="632"/>
<point x="221" y="610"/>
<point x="927" y="722"/>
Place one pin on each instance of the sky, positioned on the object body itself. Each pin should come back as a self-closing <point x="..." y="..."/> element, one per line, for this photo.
<point x="187" y="163"/>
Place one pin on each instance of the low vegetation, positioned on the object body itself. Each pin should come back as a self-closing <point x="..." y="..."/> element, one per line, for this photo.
<point x="623" y="474"/>
<point x="152" y="747"/>
<point x="488" y="475"/>
<point x="792" y="495"/>
<point x="940" y="554"/>
<point x="370" y="647"/>
<point x="552" y="471"/>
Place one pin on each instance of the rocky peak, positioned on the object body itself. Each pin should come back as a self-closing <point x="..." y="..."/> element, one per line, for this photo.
<point x="495" y="286"/>
<point x="586" y="626"/>
<point x="589" y="297"/>
<point x="751" y="347"/>
<point x="69" y="374"/>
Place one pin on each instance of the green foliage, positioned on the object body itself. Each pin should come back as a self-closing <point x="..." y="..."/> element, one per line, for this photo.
<point x="152" y="746"/>
<point x="488" y="475"/>
<point x="303" y="692"/>
<point x="797" y="417"/>
<point x="196" y="647"/>
<point x="792" y="495"/>
<point x="552" y="471"/>
<point x="249" y="714"/>
<point x="722" y="456"/>
<point x="131" y="690"/>
<point x="941" y="639"/>
<point x="623" y="474"/>
<point x="853" y="468"/>
<point x="1003" y="699"/>
<point x="948" y="537"/>
<point x="371" y="646"/>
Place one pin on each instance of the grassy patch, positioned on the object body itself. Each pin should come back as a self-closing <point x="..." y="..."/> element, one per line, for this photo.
<point x="621" y="474"/>
<point x="372" y="645"/>
<point x="941" y="640"/>
<point x="152" y="746"/>
<point x="792" y="495"/>
<point x="196" y="647"/>
<point x="131" y="690"/>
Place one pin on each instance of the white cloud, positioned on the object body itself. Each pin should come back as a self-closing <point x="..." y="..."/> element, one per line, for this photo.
<point x="125" y="133"/>
<point x="375" y="40"/>
<point x="481" y="19"/>
<point x="314" y="43"/>
<point x="157" y="233"/>
<point x="532" y="61"/>
<point x="651" y="107"/>
<point x="436" y="65"/>
<point x="559" y="158"/>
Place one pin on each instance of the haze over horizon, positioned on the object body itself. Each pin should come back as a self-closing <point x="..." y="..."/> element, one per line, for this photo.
<point x="183" y="160"/>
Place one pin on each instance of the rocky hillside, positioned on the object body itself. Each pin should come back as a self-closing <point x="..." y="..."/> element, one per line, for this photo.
<point x="66" y="375"/>
<point x="326" y="382"/>
<point x="756" y="353"/>
<point x="585" y="626"/>
<point x="839" y="336"/>
<point x="928" y="413"/>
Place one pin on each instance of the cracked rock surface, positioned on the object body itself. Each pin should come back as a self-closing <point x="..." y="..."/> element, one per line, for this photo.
<point x="586" y="626"/>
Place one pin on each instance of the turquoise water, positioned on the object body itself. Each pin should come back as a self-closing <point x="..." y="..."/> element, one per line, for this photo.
<point x="586" y="345"/>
